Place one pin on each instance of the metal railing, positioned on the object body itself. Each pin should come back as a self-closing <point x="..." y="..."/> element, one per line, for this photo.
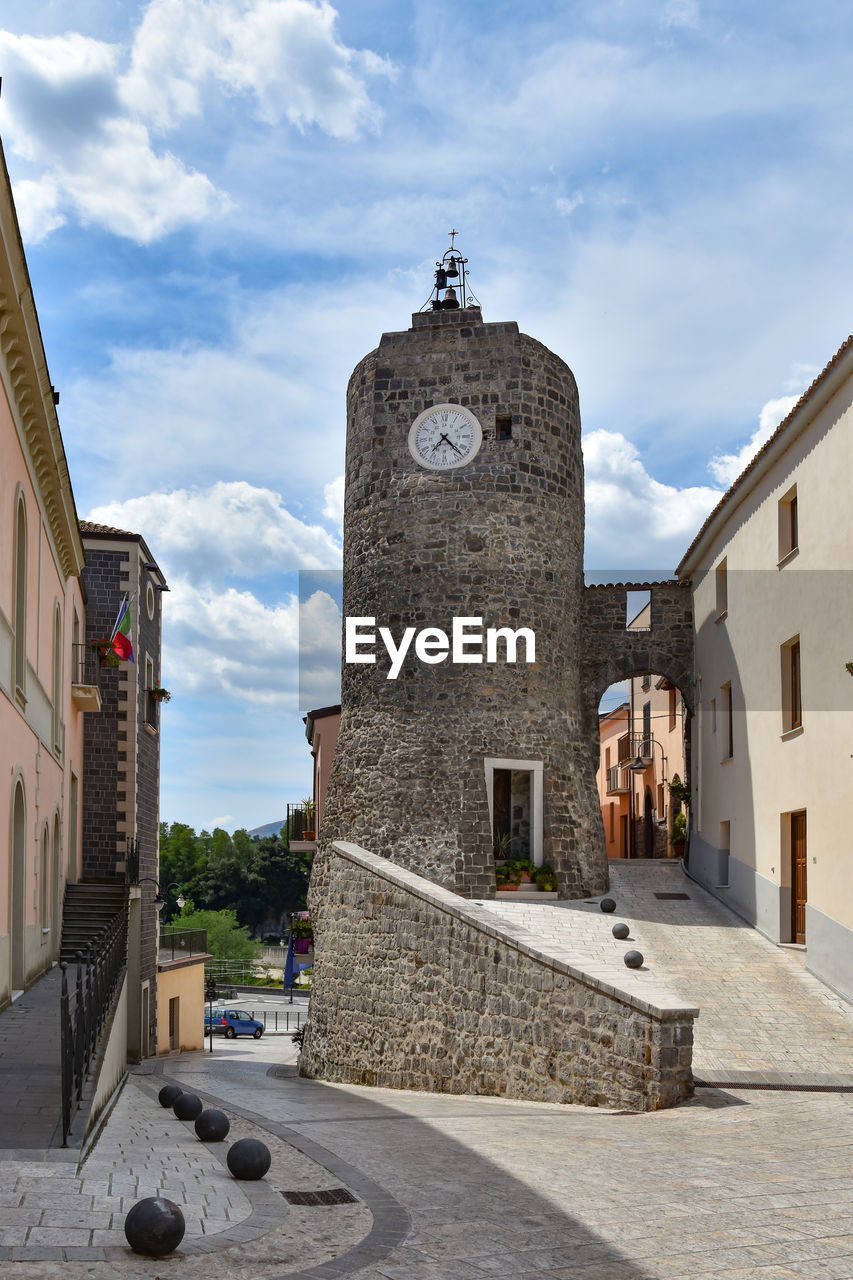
<point x="238" y="971"/>
<point x="631" y="745"/>
<point x="180" y="944"/>
<point x="298" y="822"/>
<point x="273" y="1019"/>
<point x="84" y="1010"/>
<point x="616" y="781"/>
<point x="86" y="668"/>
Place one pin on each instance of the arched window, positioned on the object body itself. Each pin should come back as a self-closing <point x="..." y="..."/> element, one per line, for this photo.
<point x="19" y="880"/>
<point x="56" y="875"/>
<point x="20" y="643"/>
<point x="57" y="680"/>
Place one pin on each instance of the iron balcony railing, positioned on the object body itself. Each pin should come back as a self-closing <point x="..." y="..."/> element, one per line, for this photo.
<point x="84" y="1008"/>
<point x="86" y="666"/>
<point x="617" y="779"/>
<point x="181" y="944"/>
<point x="298" y="822"/>
<point x="631" y="745"/>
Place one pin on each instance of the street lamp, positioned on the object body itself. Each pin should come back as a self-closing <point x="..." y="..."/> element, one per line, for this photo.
<point x="161" y="899"/>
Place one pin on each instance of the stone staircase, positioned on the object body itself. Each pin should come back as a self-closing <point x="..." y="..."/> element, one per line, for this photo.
<point x="89" y="906"/>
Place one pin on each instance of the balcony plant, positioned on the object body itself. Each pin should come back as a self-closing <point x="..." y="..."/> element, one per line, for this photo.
<point x="308" y="831"/>
<point x="302" y="935"/>
<point x="679" y="790"/>
<point x="678" y="834"/>
<point x="159" y="694"/>
<point x="105" y="651"/>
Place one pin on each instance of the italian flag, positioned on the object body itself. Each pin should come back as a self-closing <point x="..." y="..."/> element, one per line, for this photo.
<point x="122" y="647"/>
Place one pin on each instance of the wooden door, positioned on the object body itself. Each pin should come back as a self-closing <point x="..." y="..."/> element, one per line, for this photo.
<point x="798" y="877"/>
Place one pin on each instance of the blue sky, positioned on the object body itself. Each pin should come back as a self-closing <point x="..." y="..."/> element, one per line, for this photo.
<point x="225" y="202"/>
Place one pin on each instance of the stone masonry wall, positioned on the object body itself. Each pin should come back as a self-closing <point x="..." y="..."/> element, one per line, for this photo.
<point x="417" y="988"/>
<point x="499" y="539"/>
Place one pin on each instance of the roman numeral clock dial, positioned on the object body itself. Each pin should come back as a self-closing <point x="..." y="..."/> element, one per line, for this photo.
<point x="444" y="437"/>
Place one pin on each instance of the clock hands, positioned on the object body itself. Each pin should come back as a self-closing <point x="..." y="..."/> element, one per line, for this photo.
<point x="445" y="439"/>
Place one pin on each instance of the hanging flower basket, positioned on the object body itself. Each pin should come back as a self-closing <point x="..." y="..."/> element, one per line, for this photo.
<point x="105" y="651"/>
<point x="159" y="694"/>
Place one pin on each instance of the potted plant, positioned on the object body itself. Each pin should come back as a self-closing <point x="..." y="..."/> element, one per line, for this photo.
<point x="506" y="877"/>
<point x="308" y="831"/>
<point x="545" y="879"/>
<point x="501" y="845"/>
<point x="679" y="790"/>
<point x="303" y="934"/>
<point x="159" y="694"/>
<point x="678" y="835"/>
<point x="105" y="651"/>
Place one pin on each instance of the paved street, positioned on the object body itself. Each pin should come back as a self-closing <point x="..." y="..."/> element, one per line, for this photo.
<point x="737" y="1183"/>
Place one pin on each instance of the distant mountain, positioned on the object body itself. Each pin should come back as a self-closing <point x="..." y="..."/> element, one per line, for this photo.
<point x="269" y="828"/>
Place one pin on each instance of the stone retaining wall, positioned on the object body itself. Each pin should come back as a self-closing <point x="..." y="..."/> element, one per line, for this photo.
<point x="417" y="988"/>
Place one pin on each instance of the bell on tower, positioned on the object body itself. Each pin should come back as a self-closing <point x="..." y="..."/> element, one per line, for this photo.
<point x="451" y="291"/>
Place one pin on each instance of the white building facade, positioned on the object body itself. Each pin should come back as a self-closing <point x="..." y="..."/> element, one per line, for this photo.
<point x="772" y="760"/>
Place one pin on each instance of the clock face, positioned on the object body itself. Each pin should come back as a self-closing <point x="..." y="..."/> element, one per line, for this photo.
<point x="444" y="437"/>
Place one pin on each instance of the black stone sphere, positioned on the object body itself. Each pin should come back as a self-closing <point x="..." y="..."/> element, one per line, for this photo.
<point x="633" y="959"/>
<point x="154" y="1227"/>
<point x="248" y="1159"/>
<point x="169" y="1094"/>
<point x="620" y="931"/>
<point x="607" y="905"/>
<point x="212" y="1126"/>
<point x="188" y="1106"/>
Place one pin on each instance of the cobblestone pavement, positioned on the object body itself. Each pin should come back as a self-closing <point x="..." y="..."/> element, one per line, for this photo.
<point x="763" y="1016"/>
<point x="737" y="1184"/>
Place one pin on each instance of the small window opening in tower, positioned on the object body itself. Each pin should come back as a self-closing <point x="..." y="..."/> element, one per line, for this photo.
<point x="503" y="426"/>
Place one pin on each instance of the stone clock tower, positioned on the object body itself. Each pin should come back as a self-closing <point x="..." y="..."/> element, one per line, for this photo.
<point x="464" y="500"/>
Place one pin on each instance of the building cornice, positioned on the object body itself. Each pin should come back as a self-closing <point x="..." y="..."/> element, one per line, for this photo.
<point x="28" y="388"/>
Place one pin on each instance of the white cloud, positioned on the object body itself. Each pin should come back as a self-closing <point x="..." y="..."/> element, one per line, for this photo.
<point x="334" y="506"/>
<point x="284" y="52"/>
<point x="230" y="645"/>
<point x="630" y="514"/>
<point x="566" y="205"/>
<point x="37" y="205"/>
<point x="230" y="529"/>
<point x="83" y="124"/>
<point x="319" y="651"/>
<point x="681" y="13"/>
<point x="726" y="467"/>
<point x="64" y="118"/>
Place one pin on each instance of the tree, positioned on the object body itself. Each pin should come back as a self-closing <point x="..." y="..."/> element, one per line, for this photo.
<point x="226" y="939"/>
<point x="258" y="878"/>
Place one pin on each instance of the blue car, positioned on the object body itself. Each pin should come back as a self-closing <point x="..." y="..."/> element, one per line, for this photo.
<point x="231" y="1023"/>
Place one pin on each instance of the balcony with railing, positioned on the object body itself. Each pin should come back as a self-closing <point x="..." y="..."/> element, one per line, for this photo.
<point x="182" y="946"/>
<point x="617" y="780"/>
<point x="631" y="745"/>
<point x="85" y="678"/>
<point x="299" y="829"/>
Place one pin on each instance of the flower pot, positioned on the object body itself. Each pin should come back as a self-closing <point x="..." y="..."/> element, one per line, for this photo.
<point x="302" y="945"/>
<point x="505" y="888"/>
<point x="308" y="833"/>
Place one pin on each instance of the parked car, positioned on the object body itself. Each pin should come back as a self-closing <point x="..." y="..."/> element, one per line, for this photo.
<point x="233" y="1022"/>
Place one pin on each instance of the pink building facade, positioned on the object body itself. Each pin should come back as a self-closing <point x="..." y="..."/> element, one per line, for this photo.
<point x="45" y="686"/>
